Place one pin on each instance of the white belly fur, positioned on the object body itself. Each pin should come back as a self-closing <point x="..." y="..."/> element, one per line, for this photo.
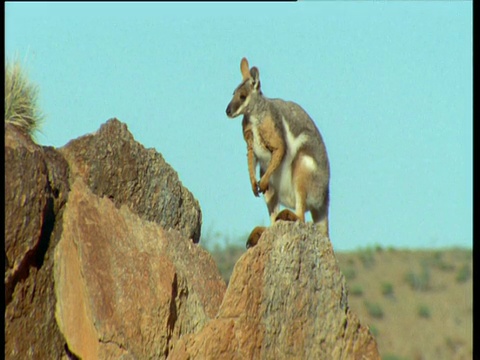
<point x="281" y="179"/>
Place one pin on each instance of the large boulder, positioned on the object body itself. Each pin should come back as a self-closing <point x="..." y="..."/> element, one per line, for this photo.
<point x="142" y="284"/>
<point x="286" y="299"/>
<point x="125" y="287"/>
<point x="114" y="165"/>
<point x="36" y="188"/>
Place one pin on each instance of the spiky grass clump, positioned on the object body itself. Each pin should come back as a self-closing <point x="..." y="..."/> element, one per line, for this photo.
<point x="21" y="107"/>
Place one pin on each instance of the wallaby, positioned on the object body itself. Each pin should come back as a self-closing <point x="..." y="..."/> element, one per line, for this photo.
<point x="283" y="139"/>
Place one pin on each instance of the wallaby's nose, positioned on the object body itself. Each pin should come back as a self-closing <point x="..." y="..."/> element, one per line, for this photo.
<point x="229" y="110"/>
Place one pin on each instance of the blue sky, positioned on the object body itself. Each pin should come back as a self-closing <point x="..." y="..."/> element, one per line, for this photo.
<point x="389" y="85"/>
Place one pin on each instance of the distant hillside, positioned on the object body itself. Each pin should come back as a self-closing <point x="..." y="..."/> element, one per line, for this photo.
<point x="418" y="304"/>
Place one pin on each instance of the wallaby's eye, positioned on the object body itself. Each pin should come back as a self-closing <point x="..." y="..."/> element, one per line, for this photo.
<point x="242" y="97"/>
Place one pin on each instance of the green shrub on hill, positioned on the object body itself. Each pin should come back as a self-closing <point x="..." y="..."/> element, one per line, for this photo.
<point x="419" y="281"/>
<point x="463" y="274"/>
<point x="424" y="311"/>
<point x="374" y="309"/>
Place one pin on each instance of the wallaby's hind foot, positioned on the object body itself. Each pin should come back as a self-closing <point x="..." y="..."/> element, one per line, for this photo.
<point x="255" y="236"/>
<point x="287" y="215"/>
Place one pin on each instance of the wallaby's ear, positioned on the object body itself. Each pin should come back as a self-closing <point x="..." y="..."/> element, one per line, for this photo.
<point x="255" y="74"/>
<point x="244" y="69"/>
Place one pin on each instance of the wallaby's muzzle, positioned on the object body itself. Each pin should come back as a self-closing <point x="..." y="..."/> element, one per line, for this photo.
<point x="229" y="110"/>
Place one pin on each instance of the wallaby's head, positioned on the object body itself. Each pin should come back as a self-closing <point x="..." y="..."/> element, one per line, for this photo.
<point x="242" y="95"/>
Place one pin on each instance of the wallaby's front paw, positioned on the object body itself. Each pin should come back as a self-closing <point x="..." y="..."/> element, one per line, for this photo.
<point x="286" y="215"/>
<point x="255" y="236"/>
<point x="255" y="188"/>
<point x="263" y="186"/>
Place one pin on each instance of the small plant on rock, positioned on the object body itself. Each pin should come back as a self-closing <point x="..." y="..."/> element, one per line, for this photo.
<point x="21" y="107"/>
<point x="374" y="330"/>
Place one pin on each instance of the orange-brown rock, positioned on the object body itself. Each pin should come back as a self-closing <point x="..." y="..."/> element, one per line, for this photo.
<point x="124" y="285"/>
<point x="100" y="264"/>
<point x="36" y="187"/>
<point x="286" y="299"/>
<point x="114" y="165"/>
<point x="138" y="288"/>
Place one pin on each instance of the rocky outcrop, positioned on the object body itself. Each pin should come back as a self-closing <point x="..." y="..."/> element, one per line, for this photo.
<point x="286" y="300"/>
<point x="114" y="165"/>
<point x="100" y="264"/>
<point x="125" y="286"/>
<point x="36" y="188"/>
<point x="137" y="272"/>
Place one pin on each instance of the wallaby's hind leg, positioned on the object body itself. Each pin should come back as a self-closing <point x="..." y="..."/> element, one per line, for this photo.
<point x="303" y="168"/>
<point x="301" y="179"/>
<point x="271" y="198"/>
<point x="300" y="199"/>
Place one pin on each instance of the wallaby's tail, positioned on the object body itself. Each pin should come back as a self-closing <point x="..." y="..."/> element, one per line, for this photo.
<point x="320" y="216"/>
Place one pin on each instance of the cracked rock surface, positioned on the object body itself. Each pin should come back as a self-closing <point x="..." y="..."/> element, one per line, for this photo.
<point x="35" y="195"/>
<point x="115" y="166"/>
<point x="100" y="253"/>
<point x="286" y="299"/>
<point x="127" y="287"/>
<point x="101" y="262"/>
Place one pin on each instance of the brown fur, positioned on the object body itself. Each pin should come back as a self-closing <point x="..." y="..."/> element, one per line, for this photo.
<point x="248" y="136"/>
<point x="244" y="69"/>
<point x="302" y="179"/>
<point x="273" y="141"/>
